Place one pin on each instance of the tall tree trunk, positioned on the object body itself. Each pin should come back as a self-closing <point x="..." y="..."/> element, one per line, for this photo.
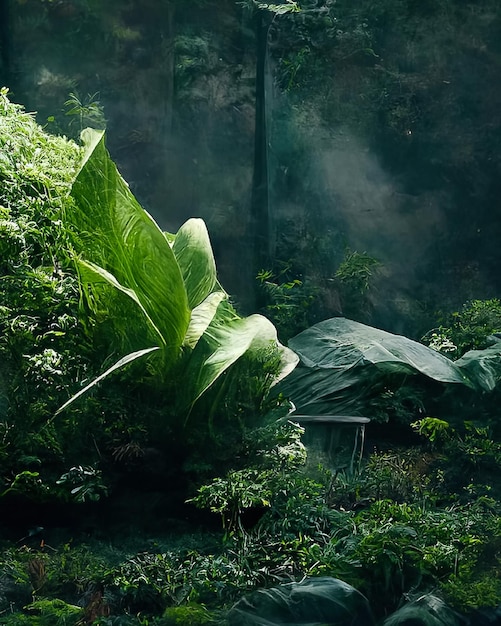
<point x="5" y="60"/>
<point x="260" y="219"/>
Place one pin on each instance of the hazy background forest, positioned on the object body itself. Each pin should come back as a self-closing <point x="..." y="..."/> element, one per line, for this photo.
<point x="381" y="123"/>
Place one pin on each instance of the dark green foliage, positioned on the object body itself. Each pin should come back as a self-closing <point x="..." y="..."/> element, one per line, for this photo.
<point x="467" y="329"/>
<point x="289" y="303"/>
<point x="259" y="486"/>
<point x="355" y="276"/>
<point x="399" y="401"/>
<point x="467" y="458"/>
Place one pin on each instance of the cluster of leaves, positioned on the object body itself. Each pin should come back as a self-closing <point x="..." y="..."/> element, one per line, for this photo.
<point x="386" y="530"/>
<point x="386" y="550"/>
<point x="354" y="277"/>
<point x="289" y="302"/>
<point x="43" y="345"/>
<point x="467" y="329"/>
<point x="157" y="301"/>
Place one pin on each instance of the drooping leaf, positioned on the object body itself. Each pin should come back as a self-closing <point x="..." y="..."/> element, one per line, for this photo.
<point x="312" y="602"/>
<point x="193" y="252"/>
<point x="426" y="610"/>
<point x="483" y="366"/>
<point x="119" y="364"/>
<point x="116" y="233"/>
<point x="317" y="392"/>
<point x="341" y="344"/>
<point x="225" y="340"/>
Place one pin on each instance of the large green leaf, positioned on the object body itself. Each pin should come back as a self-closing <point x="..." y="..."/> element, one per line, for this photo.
<point x="116" y="233"/>
<point x="341" y="344"/>
<point x="319" y="601"/>
<point x="90" y="273"/>
<point x="342" y="362"/>
<point x="202" y="316"/>
<point x="193" y="252"/>
<point x="225" y="340"/>
<point x="171" y="279"/>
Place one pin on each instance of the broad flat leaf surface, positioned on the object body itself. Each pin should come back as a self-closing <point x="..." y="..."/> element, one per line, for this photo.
<point x="193" y="251"/>
<point x="202" y="316"/>
<point x="341" y="344"/>
<point x="117" y="234"/>
<point x="342" y="363"/>
<point x="319" y="601"/>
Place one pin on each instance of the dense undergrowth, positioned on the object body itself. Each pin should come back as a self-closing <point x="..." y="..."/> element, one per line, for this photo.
<point x="393" y="530"/>
<point x="104" y="519"/>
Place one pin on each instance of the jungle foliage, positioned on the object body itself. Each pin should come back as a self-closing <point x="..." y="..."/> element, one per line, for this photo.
<point x="88" y="278"/>
<point x="169" y="387"/>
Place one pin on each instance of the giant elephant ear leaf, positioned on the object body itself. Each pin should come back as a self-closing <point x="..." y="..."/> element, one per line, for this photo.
<point x="343" y="361"/>
<point x="117" y="234"/>
<point x="193" y="251"/>
<point x="341" y="344"/>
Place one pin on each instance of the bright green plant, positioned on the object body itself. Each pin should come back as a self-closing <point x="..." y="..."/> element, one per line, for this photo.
<point x="189" y="614"/>
<point x="232" y="495"/>
<point x="356" y="271"/>
<point x="139" y="292"/>
<point x="28" y="483"/>
<point x="45" y="613"/>
<point x="168" y="281"/>
<point x="43" y="345"/>
<point x="84" y="113"/>
<point x="432" y="428"/>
